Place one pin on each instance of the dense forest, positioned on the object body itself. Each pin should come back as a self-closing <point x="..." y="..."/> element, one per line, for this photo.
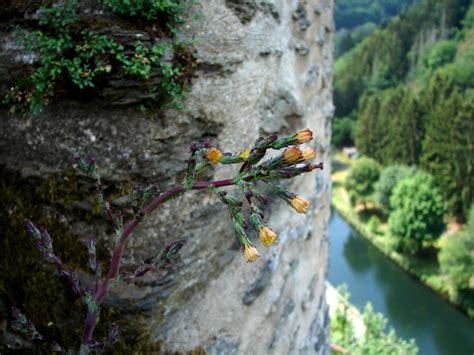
<point x="405" y="95"/>
<point x="356" y="19"/>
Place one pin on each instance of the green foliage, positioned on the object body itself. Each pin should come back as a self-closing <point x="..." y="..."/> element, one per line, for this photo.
<point x="374" y="224"/>
<point x="370" y="132"/>
<point x="345" y="40"/>
<point x="362" y="178"/>
<point x="418" y="211"/>
<point x="343" y="132"/>
<point x="352" y="13"/>
<point x="441" y="53"/>
<point x="470" y="221"/>
<point x="456" y="258"/>
<point x="383" y="59"/>
<point x="375" y="339"/>
<point x="448" y="145"/>
<point x="148" y="9"/>
<point x="70" y="56"/>
<point x="389" y="178"/>
<point x="342" y="329"/>
<point x="468" y="20"/>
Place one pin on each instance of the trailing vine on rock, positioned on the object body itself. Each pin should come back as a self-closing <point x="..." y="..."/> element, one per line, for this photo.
<point x="68" y="55"/>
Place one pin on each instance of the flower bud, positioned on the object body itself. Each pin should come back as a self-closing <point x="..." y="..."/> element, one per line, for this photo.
<point x="267" y="236"/>
<point x="299" y="204"/>
<point x="245" y="154"/>
<point x="309" y="154"/>
<point x="251" y="253"/>
<point x="292" y="155"/>
<point x="213" y="155"/>
<point x="303" y="136"/>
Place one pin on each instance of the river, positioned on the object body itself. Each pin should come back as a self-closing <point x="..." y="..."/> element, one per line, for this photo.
<point x="413" y="310"/>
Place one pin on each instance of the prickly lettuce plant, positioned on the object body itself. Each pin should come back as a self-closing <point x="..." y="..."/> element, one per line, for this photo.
<point x="254" y="170"/>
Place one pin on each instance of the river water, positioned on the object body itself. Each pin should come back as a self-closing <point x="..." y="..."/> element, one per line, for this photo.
<point x="412" y="309"/>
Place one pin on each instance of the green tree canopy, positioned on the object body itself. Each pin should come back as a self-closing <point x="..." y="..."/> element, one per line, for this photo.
<point x="368" y="130"/>
<point x="418" y="211"/>
<point x="389" y="178"/>
<point x="362" y="178"/>
<point x="375" y="340"/>
<point x="448" y="150"/>
<point x="456" y="258"/>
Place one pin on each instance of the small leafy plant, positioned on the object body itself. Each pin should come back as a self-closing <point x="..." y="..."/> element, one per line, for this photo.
<point x="148" y="9"/>
<point x="291" y="162"/>
<point x="69" y="54"/>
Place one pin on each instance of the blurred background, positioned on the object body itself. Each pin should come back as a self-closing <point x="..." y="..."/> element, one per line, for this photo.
<point x="402" y="223"/>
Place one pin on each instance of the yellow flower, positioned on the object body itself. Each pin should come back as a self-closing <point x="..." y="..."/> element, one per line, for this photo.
<point x="245" y="154"/>
<point x="299" y="204"/>
<point x="309" y="154"/>
<point x="292" y="154"/>
<point x="267" y="236"/>
<point x="251" y="253"/>
<point x="303" y="136"/>
<point x="213" y="155"/>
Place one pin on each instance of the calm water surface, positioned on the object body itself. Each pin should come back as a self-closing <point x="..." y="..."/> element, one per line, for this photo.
<point x="412" y="309"/>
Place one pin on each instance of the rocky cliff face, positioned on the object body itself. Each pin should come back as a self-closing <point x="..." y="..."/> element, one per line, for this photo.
<point x="263" y="66"/>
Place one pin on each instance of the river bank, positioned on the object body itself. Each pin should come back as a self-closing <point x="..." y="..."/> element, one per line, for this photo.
<point x="424" y="268"/>
<point x="412" y="309"/>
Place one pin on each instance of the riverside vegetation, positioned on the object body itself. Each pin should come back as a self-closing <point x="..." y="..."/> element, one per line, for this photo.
<point x="374" y="339"/>
<point x="401" y="211"/>
<point x="92" y="290"/>
<point x="404" y="97"/>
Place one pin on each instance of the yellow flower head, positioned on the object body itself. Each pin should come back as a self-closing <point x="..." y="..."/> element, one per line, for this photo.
<point x="213" y="155"/>
<point x="303" y="136"/>
<point x="292" y="154"/>
<point x="245" y="154"/>
<point x="309" y="154"/>
<point x="299" y="204"/>
<point x="267" y="236"/>
<point x="251" y="253"/>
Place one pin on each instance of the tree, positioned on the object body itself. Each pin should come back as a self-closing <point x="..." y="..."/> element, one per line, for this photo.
<point x="390" y="142"/>
<point x="406" y="131"/>
<point x="367" y="136"/>
<point x="389" y="178"/>
<point x="448" y="150"/>
<point x="375" y="340"/>
<point x="361" y="179"/>
<point x="343" y="132"/>
<point x="456" y="258"/>
<point x="418" y="211"/>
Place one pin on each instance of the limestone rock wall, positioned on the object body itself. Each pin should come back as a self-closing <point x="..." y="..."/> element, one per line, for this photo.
<point x="264" y="66"/>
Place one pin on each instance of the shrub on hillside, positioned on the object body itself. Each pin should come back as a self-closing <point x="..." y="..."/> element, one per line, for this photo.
<point x="389" y="177"/>
<point x="456" y="258"/>
<point x="361" y="180"/>
<point x="418" y="211"/>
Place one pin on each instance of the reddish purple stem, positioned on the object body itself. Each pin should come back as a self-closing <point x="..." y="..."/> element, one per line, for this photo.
<point x="102" y="290"/>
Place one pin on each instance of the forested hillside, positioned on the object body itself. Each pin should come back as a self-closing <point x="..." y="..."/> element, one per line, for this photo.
<point x="405" y="95"/>
<point x="352" y="13"/>
<point x="356" y="19"/>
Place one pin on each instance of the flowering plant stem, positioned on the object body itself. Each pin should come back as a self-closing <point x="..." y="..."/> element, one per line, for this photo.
<point x="144" y="200"/>
<point x="102" y="290"/>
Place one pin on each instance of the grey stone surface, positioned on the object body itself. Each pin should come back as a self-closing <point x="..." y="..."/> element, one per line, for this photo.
<point x="249" y="80"/>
